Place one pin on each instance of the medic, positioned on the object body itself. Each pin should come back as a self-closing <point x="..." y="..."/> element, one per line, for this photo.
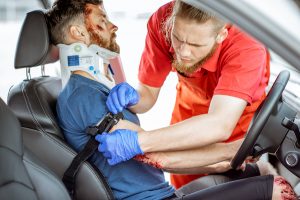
<point x="222" y="77"/>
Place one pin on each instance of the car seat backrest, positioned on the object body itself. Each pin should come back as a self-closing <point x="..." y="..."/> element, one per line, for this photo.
<point x="37" y="95"/>
<point x="22" y="176"/>
<point x="34" y="103"/>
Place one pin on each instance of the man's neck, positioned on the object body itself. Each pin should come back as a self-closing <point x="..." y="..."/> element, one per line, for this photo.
<point x="84" y="74"/>
<point x="87" y="75"/>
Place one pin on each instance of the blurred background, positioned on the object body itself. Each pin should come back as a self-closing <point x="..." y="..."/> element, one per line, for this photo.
<point x="130" y="16"/>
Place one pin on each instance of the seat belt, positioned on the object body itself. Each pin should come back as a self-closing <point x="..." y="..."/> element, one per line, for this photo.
<point x="104" y="125"/>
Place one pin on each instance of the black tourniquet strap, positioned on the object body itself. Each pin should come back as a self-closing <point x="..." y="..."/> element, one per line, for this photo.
<point x="91" y="146"/>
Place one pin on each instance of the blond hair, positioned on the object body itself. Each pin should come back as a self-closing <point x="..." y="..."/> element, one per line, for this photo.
<point x="188" y="12"/>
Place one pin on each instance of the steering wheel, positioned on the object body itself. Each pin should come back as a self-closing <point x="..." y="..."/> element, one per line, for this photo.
<point x="261" y="116"/>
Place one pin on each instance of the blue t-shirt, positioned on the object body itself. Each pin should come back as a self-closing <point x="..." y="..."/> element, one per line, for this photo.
<point x="82" y="103"/>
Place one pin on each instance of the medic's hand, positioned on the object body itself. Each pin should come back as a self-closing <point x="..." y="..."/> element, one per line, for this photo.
<point x="121" y="96"/>
<point x="119" y="145"/>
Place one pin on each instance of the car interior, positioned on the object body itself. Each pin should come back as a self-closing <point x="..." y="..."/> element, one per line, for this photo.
<point x="33" y="102"/>
<point x="34" y="154"/>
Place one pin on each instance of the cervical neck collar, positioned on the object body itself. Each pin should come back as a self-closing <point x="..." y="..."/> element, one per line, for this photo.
<point x="78" y="56"/>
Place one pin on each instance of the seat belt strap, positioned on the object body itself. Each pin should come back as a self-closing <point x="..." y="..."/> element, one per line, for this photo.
<point x="104" y="125"/>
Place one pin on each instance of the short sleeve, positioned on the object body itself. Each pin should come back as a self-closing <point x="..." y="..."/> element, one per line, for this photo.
<point x="88" y="106"/>
<point x="244" y="72"/>
<point x="156" y="59"/>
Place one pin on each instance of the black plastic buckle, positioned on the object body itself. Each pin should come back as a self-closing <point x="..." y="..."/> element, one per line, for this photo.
<point x="105" y="124"/>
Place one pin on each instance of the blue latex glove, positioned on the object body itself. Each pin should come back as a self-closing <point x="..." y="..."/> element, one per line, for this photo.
<point x="122" y="96"/>
<point x="119" y="145"/>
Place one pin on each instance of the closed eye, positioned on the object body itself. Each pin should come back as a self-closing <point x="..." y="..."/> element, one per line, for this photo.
<point x="191" y="44"/>
<point x="177" y="38"/>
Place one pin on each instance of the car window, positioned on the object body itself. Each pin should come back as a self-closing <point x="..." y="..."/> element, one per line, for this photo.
<point x="292" y="90"/>
<point x="284" y="14"/>
<point x="12" y="14"/>
<point x="280" y="12"/>
<point x="130" y="16"/>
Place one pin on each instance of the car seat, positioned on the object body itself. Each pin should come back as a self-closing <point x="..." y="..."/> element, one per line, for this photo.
<point x="33" y="101"/>
<point x="22" y="175"/>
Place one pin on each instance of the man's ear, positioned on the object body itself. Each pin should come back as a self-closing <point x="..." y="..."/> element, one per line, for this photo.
<point x="78" y="33"/>
<point x="222" y="35"/>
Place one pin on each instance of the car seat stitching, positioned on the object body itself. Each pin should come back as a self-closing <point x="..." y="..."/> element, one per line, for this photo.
<point x="28" y="105"/>
<point x="41" y="105"/>
<point x="72" y="152"/>
<point x="50" y="175"/>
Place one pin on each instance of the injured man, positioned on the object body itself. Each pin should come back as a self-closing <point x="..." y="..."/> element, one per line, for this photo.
<point x="87" y="39"/>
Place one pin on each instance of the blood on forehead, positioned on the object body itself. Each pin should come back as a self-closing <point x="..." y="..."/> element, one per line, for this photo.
<point x="98" y="10"/>
<point x="99" y="28"/>
<point x="91" y="12"/>
<point x="87" y="11"/>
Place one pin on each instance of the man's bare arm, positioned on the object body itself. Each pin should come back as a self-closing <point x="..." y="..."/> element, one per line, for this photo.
<point x="201" y="160"/>
<point x="203" y="156"/>
<point x="209" y="159"/>
<point x="215" y="126"/>
<point x="148" y="97"/>
<point x="210" y="169"/>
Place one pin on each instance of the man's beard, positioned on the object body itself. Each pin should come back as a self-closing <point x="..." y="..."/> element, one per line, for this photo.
<point x="187" y="70"/>
<point x="110" y="44"/>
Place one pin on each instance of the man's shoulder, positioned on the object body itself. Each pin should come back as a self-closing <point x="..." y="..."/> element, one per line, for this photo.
<point x="239" y="43"/>
<point x="82" y="102"/>
<point x="240" y="39"/>
<point x="86" y="94"/>
<point x="82" y="85"/>
<point x="166" y="9"/>
<point x="80" y="94"/>
<point x="163" y="12"/>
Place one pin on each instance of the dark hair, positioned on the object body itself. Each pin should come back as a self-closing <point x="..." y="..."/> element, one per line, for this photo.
<point x="186" y="11"/>
<point x="64" y="12"/>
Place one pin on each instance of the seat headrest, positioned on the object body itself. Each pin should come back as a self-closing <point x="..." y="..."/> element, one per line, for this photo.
<point x="34" y="47"/>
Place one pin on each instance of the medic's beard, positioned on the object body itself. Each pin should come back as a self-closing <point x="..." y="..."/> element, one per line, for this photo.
<point x="187" y="70"/>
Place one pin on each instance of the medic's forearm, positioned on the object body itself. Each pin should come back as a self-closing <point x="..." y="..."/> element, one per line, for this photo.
<point x="216" y="126"/>
<point x="194" y="158"/>
<point x="192" y="133"/>
<point x="210" y="169"/>
<point x="148" y="97"/>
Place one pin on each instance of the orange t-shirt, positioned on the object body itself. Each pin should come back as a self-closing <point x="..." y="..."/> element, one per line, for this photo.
<point x="239" y="68"/>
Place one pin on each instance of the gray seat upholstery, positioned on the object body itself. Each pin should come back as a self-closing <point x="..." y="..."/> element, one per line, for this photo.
<point x="22" y="175"/>
<point x="33" y="101"/>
